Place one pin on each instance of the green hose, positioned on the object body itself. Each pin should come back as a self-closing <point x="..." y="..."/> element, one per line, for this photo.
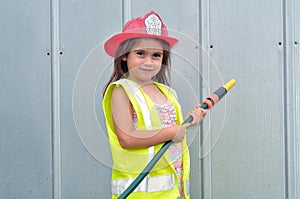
<point x="151" y="164"/>
<point x="207" y="104"/>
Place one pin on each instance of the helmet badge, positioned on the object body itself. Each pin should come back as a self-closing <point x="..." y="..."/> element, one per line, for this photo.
<point x="153" y="25"/>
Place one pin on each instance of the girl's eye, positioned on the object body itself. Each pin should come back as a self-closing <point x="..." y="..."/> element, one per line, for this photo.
<point x="157" y="55"/>
<point x="140" y="53"/>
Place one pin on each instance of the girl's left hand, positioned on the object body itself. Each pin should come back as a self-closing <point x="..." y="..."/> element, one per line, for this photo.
<point x="198" y="115"/>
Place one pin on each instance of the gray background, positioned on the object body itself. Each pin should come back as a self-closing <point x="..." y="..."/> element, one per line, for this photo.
<point x="53" y="67"/>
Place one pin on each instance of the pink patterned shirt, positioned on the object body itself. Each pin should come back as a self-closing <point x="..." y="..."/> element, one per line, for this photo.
<point x="168" y="118"/>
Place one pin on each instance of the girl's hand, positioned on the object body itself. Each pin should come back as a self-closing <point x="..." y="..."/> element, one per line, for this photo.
<point x="198" y="115"/>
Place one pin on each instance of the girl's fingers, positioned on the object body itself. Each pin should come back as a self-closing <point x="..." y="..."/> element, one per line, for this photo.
<point x="198" y="115"/>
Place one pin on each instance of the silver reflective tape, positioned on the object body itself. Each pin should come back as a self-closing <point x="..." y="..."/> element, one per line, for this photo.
<point x="149" y="184"/>
<point x="187" y="187"/>
<point x="146" y="113"/>
<point x="142" y="102"/>
<point x="161" y="183"/>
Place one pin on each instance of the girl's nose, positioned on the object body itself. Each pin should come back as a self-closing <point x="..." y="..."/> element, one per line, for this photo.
<point x="148" y="60"/>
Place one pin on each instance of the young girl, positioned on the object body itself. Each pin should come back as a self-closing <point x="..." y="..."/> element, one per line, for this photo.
<point x="142" y="112"/>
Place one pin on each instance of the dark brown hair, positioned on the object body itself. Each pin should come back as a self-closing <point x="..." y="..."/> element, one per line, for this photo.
<point x="121" y="69"/>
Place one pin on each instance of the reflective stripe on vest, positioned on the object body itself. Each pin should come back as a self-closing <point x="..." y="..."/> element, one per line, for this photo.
<point x="152" y="184"/>
<point x="143" y="105"/>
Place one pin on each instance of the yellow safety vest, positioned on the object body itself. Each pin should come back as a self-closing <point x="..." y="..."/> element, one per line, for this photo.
<point x="162" y="181"/>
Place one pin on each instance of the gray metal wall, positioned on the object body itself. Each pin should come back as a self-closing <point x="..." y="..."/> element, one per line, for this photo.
<point x="53" y="67"/>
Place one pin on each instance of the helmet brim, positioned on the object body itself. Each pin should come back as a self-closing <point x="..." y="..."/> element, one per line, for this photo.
<point x="112" y="44"/>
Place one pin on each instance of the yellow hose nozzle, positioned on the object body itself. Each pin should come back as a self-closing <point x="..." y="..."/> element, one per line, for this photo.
<point x="229" y="84"/>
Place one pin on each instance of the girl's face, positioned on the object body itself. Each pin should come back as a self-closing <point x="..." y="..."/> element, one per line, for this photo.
<point x="144" y="60"/>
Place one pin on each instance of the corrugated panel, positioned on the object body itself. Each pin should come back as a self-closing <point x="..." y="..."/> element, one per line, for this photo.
<point x="84" y="25"/>
<point x="292" y="98"/>
<point x="245" y="41"/>
<point x="25" y="100"/>
<point x="296" y="42"/>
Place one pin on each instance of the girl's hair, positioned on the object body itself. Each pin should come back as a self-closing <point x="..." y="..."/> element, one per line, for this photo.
<point x="121" y="69"/>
